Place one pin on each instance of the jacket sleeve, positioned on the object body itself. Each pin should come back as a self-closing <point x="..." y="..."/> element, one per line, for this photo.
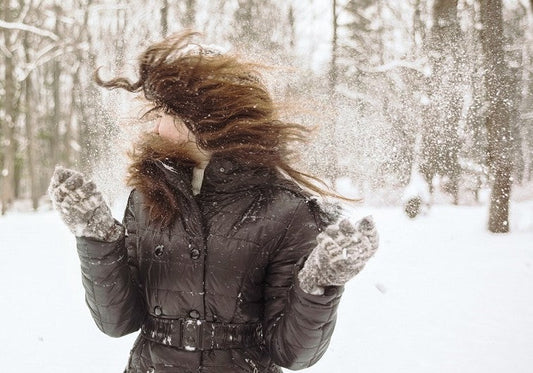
<point x="297" y="326"/>
<point x="109" y="275"/>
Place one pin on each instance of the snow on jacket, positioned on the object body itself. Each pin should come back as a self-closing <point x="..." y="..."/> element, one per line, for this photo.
<point x="232" y="258"/>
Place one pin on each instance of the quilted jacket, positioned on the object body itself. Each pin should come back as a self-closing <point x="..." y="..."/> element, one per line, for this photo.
<point x="231" y="258"/>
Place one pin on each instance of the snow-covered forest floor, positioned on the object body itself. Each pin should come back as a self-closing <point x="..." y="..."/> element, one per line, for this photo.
<point x="441" y="295"/>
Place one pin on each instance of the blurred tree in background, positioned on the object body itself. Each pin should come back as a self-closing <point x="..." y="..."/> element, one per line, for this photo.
<point x="442" y="89"/>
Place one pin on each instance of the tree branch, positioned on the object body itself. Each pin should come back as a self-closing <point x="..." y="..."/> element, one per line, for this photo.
<point x="48" y="55"/>
<point x="28" y="28"/>
<point x="417" y="66"/>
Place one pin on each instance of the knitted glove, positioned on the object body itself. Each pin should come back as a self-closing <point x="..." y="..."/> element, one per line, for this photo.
<point x="342" y="251"/>
<point x="82" y="207"/>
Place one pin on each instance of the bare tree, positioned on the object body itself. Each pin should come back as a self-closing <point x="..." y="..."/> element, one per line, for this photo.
<point x="440" y="145"/>
<point x="527" y="99"/>
<point x="331" y="162"/>
<point x="291" y="21"/>
<point x="164" y="18"/>
<point x="29" y="126"/>
<point x="10" y="105"/>
<point x="252" y="28"/>
<point x="56" y="143"/>
<point x="497" y="121"/>
<point x="334" y="46"/>
<point x="188" y="15"/>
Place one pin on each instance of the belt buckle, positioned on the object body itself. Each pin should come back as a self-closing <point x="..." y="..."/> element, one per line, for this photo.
<point x="191" y="330"/>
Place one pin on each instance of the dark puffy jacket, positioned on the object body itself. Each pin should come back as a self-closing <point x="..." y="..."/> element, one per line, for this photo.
<point x="232" y="259"/>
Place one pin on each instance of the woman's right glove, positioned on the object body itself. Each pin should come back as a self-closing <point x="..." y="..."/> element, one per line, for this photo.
<point x="82" y="207"/>
<point x="342" y="251"/>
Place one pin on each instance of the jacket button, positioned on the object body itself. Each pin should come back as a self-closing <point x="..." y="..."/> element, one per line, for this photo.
<point x="158" y="251"/>
<point x="194" y="314"/>
<point x="158" y="311"/>
<point x="195" y="253"/>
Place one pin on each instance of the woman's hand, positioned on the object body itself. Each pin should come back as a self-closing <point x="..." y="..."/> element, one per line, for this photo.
<point x="342" y="251"/>
<point x="82" y="206"/>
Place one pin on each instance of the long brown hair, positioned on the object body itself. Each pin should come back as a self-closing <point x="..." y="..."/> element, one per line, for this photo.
<point x="222" y="101"/>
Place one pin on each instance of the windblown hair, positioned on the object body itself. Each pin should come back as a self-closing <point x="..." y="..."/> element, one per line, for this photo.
<point x="221" y="100"/>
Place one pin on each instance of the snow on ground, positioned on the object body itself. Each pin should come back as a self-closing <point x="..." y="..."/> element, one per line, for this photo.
<point x="441" y="295"/>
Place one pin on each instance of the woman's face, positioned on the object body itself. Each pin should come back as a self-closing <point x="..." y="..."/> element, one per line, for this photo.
<point x="172" y="128"/>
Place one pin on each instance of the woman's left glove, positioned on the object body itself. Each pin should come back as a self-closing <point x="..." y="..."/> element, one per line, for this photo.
<point x="342" y="251"/>
<point x="82" y="207"/>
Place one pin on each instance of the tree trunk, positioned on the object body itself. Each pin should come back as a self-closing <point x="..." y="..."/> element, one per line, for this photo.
<point x="190" y="12"/>
<point x="333" y="63"/>
<point x="7" y="171"/>
<point x="55" y="140"/>
<point x="419" y="30"/>
<point x="497" y="121"/>
<point x="187" y="13"/>
<point x="164" y="18"/>
<point x="30" y="159"/>
<point x="440" y="141"/>
<point x="332" y="169"/>
<point x="292" y="28"/>
<point x="88" y="99"/>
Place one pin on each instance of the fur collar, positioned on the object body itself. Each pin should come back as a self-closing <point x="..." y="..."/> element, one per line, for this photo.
<point x="162" y="173"/>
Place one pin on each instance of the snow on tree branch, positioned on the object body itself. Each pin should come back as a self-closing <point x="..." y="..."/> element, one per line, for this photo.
<point x="28" y="28"/>
<point x="422" y="69"/>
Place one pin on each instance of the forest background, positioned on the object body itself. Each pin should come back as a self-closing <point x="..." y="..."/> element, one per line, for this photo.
<point x="439" y="90"/>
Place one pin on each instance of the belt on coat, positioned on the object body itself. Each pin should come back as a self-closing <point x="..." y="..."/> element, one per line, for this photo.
<point x="199" y="335"/>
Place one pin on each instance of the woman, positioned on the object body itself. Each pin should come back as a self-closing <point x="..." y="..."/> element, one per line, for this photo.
<point x="224" y="263"/>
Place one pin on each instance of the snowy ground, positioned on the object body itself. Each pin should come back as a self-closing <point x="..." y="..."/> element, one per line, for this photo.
<point x="441" y="295"/>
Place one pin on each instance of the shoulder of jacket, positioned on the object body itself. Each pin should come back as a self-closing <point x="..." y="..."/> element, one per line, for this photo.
<point x="291" y="196"/>
<point x="287" y="193"/>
